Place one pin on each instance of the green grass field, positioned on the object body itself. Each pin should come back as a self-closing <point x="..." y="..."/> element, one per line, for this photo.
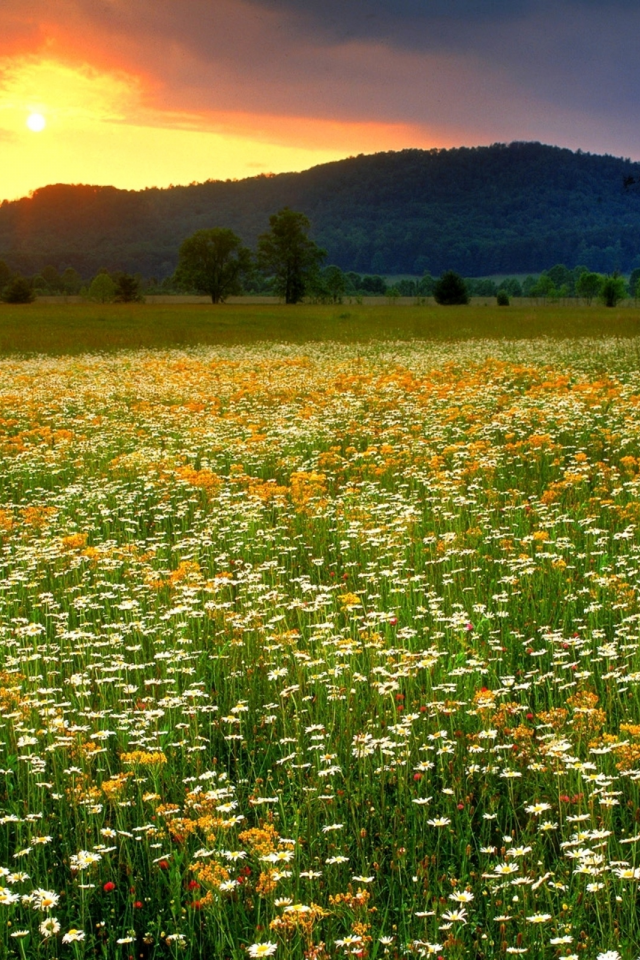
<point x="76" y="328"/>
<point x="319" y="649"/>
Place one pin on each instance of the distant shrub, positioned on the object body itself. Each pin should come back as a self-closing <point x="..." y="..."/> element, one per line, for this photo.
<point x="450" y="289"/>
<point x="18" y="290"/>
<point x="503" y="298"/>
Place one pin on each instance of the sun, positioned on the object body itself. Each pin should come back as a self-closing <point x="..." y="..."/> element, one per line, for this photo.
<point x="36" y="122"/>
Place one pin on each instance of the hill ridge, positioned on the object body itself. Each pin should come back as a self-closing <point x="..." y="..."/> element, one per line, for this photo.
<point x="517" y="207"/>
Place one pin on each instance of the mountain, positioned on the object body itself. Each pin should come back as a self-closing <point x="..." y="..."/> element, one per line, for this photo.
<point x="506" y="208"/>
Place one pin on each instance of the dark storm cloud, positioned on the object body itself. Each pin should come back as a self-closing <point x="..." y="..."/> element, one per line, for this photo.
<point x="423" y="23"/>
<point x="577" y="55"/>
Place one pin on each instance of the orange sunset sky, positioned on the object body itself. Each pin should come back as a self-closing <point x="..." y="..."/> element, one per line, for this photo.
<point x="151" y="92"/>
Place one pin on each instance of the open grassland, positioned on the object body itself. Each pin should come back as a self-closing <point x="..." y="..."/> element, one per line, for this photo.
<point x="80" y="327"/>
<point x="321" y="651"/>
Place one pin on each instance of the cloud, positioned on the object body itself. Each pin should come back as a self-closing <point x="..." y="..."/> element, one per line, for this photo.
<point x="455" y="70"/>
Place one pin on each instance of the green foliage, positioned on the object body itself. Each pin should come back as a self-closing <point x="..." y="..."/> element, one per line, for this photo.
<point x="18" y="290"/>
<point x="373" y="286"/>
<point x="561" y="277"/>
<point x="613" y="290"/>
<point x="70" y="281"/>
<point x="589" y="285"/>
<point x="479" y="211"/>
<point x="287" y="254"/>
<point x="450" y="289"/>
<point x="51" y="279"/>
<point x="6" y="274"/>
<point x="327" y="286"/>
<point x="634" y="280"/>
<point x="213" y="262"/>
<point x="558" y="283"/>
<point x="502" y="298"/>
<point x="128" y="289"/>
<point x="336" y="283"/>
<point x="406" y="288"/>
<point x="511" y="286"/>
<point x="482" y="288"/>
<point x="544" y="288"/>
<point x="102" y="289"/>
<point x="426" y="285"/>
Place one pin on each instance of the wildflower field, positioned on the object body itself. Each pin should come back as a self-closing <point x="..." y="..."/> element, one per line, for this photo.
<point x="321" y="650"/>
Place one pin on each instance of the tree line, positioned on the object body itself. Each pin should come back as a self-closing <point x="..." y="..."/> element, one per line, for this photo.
<point x="288" y="263"/>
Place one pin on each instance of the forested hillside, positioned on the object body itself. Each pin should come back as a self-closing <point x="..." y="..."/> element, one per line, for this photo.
<point x="514" y="208"/>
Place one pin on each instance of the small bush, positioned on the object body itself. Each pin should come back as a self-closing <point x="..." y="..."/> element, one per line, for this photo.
<point x="450" y="289"/>
<point x="503" y="298"/>
<point x="613" y="290"/>
<point x="18" y="290"/>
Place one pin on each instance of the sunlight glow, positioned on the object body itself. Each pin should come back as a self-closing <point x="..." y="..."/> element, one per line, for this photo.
<point x="107" y="127"/>
<point x="36" y="122"/>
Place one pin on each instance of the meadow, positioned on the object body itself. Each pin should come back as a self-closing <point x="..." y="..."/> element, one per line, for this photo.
<point x="74" y="328"/>
<point x="321" y="649"/>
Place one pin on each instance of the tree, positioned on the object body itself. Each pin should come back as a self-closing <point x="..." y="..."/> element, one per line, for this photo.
<point x="316" y="288"/>
<point x="613" y="290"/>
<point x="589" y="285"/>
<point x="511" y="286"/>
<point x="6" y="274"/>
<point x="71" y="281"/>
<point x="634" y="280"/>
<point x="102" y="289"/>
<point x="326" y="286"/>
<point x="544" y="288"/>
<point x="407" y="288"/>
<point x="128" y="289"/>
<point x="51" y="279"/>
<point x="18" y="290"/>
<point x="288" y="255"/>
<point x="336" y="283"/>
<point x="426" y="285"/>
<point x="374" y="285"/>
<point x="450" y="289"/>
<point x="393" y="294"/>
<point x="213" y="261"/>
<point x="561" y="277"/>
<point x="485" y="288"/>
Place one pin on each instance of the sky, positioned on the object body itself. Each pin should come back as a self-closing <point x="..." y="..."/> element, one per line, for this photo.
<point x="140" y="93"/>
